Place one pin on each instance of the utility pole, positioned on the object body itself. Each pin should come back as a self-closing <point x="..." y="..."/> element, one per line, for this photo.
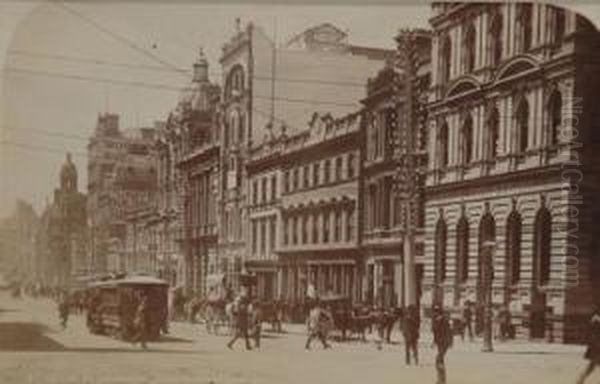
<point x="488" y="276"/>
<point x="405" y="152"/>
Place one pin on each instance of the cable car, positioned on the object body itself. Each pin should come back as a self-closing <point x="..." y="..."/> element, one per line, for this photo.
<point x="112" y="305"/>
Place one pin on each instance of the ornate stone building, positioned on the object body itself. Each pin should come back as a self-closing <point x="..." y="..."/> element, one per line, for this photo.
<point x="62" y="237"/>
<point x="121" y="178"/>
<point x="199" y="165"/>
<point x="320" y="209"/>
<point x="384" y="178"/>
<point x="260" y="100"/>
<point x="510" y="142"/>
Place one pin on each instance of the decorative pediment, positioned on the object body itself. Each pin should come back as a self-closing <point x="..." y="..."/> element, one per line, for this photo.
<point x="463" y="85"/>
<point x="519" y="65"/>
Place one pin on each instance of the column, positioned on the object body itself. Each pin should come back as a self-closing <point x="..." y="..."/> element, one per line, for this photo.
<point x="535" y="24"/>
<point x="435" y="67"/>
<point x="456" y="53"/>
<point x="507" y="23"/>
<point x="543" y="20"/>
<point x="478" y="142"/>
<point x="483" y="39"/>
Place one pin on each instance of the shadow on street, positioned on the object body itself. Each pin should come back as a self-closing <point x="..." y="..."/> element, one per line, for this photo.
<point x="16" y="336"/>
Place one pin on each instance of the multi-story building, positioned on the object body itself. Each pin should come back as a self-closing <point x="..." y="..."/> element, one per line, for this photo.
<point x="62" y="238"/>
<point x="18" y="234"/>
<point x="121" y="177"/>
<point x="199" y="165"/>
<point x="320" y="208"/>
<point x="384" y="228"/>
<point x="141" y="242"/>
<point x="264" y="203"/>
<point x="510" y="105"/>
<point x="260" y="98"/>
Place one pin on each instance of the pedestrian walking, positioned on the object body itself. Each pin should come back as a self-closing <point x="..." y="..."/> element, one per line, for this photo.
<point x="467" y="321"/>
<point x="319" y="322"/>
<point x="442" y="337"/>
<point x="141" y="322"/>
<point x="63" y="309"/>
<point x="241" y="323"/>
<point x="255" y="326"/>
<point x="411" y="323"/>
<point x="592" y="352"/>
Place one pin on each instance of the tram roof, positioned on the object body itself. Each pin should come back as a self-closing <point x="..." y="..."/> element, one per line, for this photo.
<point x="130" y="280"/>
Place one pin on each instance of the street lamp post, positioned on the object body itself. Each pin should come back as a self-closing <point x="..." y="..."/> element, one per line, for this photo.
<point x="488" y="275"/>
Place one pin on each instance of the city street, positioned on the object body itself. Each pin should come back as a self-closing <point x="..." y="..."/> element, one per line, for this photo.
<point x="34" y="349"/>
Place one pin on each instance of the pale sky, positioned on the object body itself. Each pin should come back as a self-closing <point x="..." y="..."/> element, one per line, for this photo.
<point x="42" y="116"/>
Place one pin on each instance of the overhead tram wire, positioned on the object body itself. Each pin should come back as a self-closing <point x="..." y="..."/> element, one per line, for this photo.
<point x="104" y="80"/>
<point x="90" y="60"/>
<point x="131" y="44"/>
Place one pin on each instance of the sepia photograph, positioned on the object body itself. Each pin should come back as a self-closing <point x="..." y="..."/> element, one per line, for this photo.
<point x="263" y="192"/>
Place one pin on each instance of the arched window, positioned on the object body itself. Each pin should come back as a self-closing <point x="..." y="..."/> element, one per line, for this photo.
<point x="495" y="35"/>
<point x="446" y="59"/>
<point x="234" y="121"/>
<point x="541" y="246"/>
<point x="234" y="84"/>
<point x="241" y="128"/>
<point x="469" y="48"/>
<point x="513" y="248"/>
<point x="443" y="145"/>
<point x="440" y="251"/>
<point x="462" y="250"/>
<point x="493" y="133"/>
<point x="523" y="125"/>
<point x="524" y="27"/>
<point x="467" y="140"/>
<point x="487" y="233"/>
<point x="555" y="117"/>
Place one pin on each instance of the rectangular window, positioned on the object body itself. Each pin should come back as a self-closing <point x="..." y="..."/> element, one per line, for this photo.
<point x="316" y="171"/>
<point x="304" y="229"/>
<point x="350" y="225"/>
<point x="273" y="188"/>
<point x="338" y="226"/>
<point x="286" y="181"/>
<point x="295" y="230"/>
<point x="315" y="229"/>
<point x="264" y="190"/>
<point x="305" y="176"/>
<point x="263" y="236"/>
<point x="325" y="227"/>
<point x="327" y="172"/>
<point x="254" y="237"/>
<point x="350" y="165"/>
<point x="338" y="169"/>
<point x="255" y="192"/>
<point x="273" y="233"/>
<point x="295" y="179"/>
<point x="286" y="230"/>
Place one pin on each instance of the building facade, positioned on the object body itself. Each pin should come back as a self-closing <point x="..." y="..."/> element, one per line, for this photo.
<point x="262" y="82"/>
<point x="264" y="215"/>
<point x="121" y="177"/>
<point x="509" y="89"/>
<point x="62" y="247"/>
<point x="320" y="210"/>
<point x="199" y="166"/>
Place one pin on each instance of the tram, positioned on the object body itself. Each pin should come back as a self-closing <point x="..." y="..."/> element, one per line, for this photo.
<point x="112" y="305"/>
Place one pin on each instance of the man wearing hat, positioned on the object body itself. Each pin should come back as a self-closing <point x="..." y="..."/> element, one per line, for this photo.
<point x="442" y="338"/>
